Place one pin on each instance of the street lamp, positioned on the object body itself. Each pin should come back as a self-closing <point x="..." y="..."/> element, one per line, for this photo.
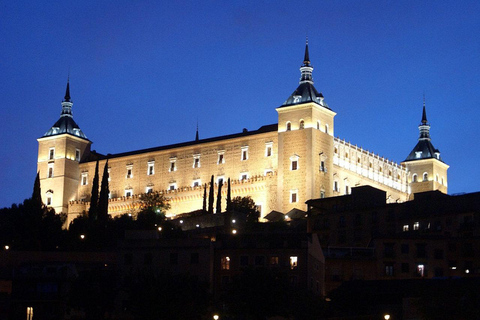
<point x="386" y="317"/>
<point x="82" y="236"/>
<point x="216" y="317"/>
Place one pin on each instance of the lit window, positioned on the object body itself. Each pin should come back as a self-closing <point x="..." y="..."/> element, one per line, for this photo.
<point x="84" y="178"/>
<point x="273" y="261"/>
<point x="293" y="262"/>
<point x="425" y="176"/>
<point x="416" y="226"/>
<point x="129" y="171"/>
<point x="289" y="126"/>
<point x="221" y="157"/>
<point x="50" y="170"/>
<point x="421" y="270"/>
<point x="196" y="161"/>
<point x="29" y="313"/>
<point x="243" y="176"/>
<point x="293" y="196"/>
<point x="418" y="154"/>
<point x="172" y="186"/>
<point x="148" y="190"/>
<point x="225" y="263"/>
<point x="196" y="183"/>
<point x="302" y="124"/>
<point x="128" y="193"/>
<point x="244" y="153"/>
<point x="151" y="168"/>
<point x="51" y="153"/>
<point x="268" y="149"/>
<point x="77" y="154"/>
<point x="405" y="227"/>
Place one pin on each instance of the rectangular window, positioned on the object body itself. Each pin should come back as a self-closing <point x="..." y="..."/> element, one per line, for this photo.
<point x="129" y="171"/>
<point x="335" y="186"/>
<point x="50" y="170"/>
<point x="389" y="269"/>
<point x="421" y="250"/>
<point x="77" y="155"/>
<point x="173" y="164"/>
<point x="84" y="178"/>
<point x="244" y="176"/>
<point x="128" y="193"/>
<point x="225" y="263"/>
<point x="416" y="225"/>
<point x="221" y="157"/>
<point x="196" y="183"/>
<point x="148" y="190"/>
<point x="29" y="313"/>
<point x="421" y="270"/>
<point x="294" y="165"/>
<point x="220" y="180"/>
<point x="49" y="200"/>
<point x="268" y="149"/>
<point x="405" y="227"/>
<point x="293" y="196"/>
<point x="151" y="168"/>
<point x="172" y="186"/>
<point x="322" y="166"/>
<point x="293" y="262"/>
<point x="322" y="194"/>
<point x="196" y="161"/>
<point x="244" y="154"/>
<point x="108" y="174"/>
<point x="51" y="154"/>
<point x="273" y="261"/>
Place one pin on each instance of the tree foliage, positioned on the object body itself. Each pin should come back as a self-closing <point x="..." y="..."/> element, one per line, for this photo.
<point x="247" y="206"/>
<point x="219" y="197"/>
<point x="93" y="210"/>
<point x="211" y="197"/>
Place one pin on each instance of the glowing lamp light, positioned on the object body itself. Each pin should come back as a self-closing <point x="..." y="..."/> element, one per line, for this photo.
<point x="216" y="317"/>
<point x="181" y="221"/>
<point x="82" y="236"/>
<point x="386" y="317"/>
<point x="467" y="271"/>
<point x="198" y="226"/>
<point x="159" y="228"/>
<point x="233" y="221"/>
<point x="234" y="231"/>
<point x="7" y="247"/>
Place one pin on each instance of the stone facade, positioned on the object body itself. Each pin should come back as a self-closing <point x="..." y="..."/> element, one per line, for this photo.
<point x="280" y="166"/>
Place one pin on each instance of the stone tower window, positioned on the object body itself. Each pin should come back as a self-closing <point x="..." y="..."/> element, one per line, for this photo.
<point x="196" y="161"/>
<point x="268" y="149"/>
<point x="84" y="178"/>
<point x="151" y="168"/>
<point x="244" y="153"/>
<point x="221" y="157"/>
<point x="294" y="163"/>
<point x="77" y="155"/>
<point x="51" y="153"/>
<point x="414" y="178"/>
<point x="289" y="126"/>
<point x="318" y="125"/>
<point x="425" y="176"/>
<point x="50" y="170"/>
<point x="129" y="172"/>
<point x="302" y="124"/>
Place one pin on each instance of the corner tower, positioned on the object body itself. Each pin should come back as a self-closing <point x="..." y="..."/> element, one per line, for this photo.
<point x="60" y="150"/>
<point x="426" y="170"/>
<point x="305" y="144"/>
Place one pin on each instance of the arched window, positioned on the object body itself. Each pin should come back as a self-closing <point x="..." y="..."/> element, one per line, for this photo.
<point x="302" y="124"/>
<point x="289" y="126"/>
<point x="414" y="178"/>
<point x="425" y="176"/>
<point x="318" y="125"/>
<point x="326" y="128"/>
<point x="436" y="178"/>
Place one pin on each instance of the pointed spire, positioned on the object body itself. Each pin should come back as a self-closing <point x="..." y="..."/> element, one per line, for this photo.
<point x="306" y="57"/>
<point x="67" y="92"/>
<point x="424" y="115"/>
<point x="196" y="134"/>
<point x="424" y="127"/>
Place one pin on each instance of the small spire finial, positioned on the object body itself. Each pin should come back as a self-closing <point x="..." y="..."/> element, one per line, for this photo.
<point x="424" y="114"/>
<point x="306" y="58"/>
<point x="67" y="91"/>
<point x="196" y="134"/>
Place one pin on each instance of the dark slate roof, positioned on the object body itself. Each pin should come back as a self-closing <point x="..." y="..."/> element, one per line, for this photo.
<point x="263" y="129"/>
<point x="425" y="150"/>
<point x="66" y="124"/>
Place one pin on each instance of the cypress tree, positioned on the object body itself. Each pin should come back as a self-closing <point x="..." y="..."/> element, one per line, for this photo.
<point x="205" y="198"/>
<point x="93" y="211"/>
<point x="211" y="197"/>
<point x="103" y="200"/>
<point x="219" y="197"/>
<point x="37" y="194"/>
<point x="229" y="197"/>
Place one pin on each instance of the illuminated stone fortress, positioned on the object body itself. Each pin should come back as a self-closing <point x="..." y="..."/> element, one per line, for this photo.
<point x="279" y="165"/>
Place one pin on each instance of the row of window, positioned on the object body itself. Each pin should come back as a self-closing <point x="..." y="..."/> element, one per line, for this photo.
<point x="370" y="164"/>
<point x="301" y="125"/>
<point x="258" y="261"/>
<point x="425" y="178"/>
<point x="51" y="154"/>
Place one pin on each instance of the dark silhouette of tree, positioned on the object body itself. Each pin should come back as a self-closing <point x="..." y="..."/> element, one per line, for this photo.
<point x="205" y="198"/>
<point x="229" y="197"/>
<point x="37" y="194"/>
<point x="93" y="210"/>
<point x="246" y="205"/>
<point x="211" y="197"/>
<point x="103" y="201"/>
<point x="219" y="197"/>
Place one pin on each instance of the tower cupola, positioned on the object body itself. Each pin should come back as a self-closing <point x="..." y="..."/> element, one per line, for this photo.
<point x="66" y="124"/>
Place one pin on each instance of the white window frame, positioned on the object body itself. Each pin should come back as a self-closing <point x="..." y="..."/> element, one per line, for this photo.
<point x="151" y="168"/>
<point x="84" y="181"/>
<point x="293" y="262"/>
<point x="78" y="155"/>
<point x="51" y="153"/>
<point x="128" y="191"/>
<point x="416" y="225"/>
<point x="129" y="168"/>
<point x="221" y="157"/>
<point x="268" y="147"/>
<point x="294" y="158"/>
<point x="244" y="154"/>
<point x="50" y="173"/>
<point x="148" y="189"/>
<point x="198" y="181"/>
<point x="244" y="176"/>
<point x="294" y="192"/>
<point x="172" y="186"/>
<point x="405" y="227"/>
<point x="196" y="161"/>
<point x="49" y="198"/>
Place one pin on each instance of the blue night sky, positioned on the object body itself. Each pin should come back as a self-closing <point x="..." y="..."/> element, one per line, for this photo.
<point x="143" y="72"/>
